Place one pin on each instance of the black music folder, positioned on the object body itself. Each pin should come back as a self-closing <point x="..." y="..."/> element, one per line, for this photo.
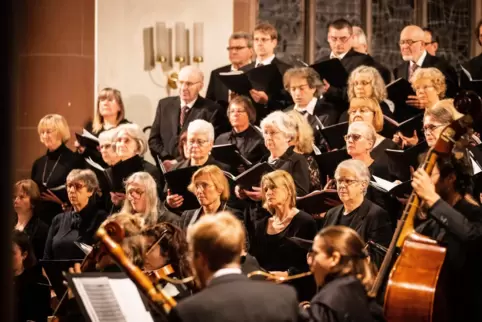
<point x="401" y="190"/>
<point x="391" y="126"/>
<point x="468" y="83"/>
<point x="88" y="140"/>
<point x="120" y="171"/>
<point x="251" y="177"/>
<point x="332" y="71"/>
<point x="108" y="297"/>
<point x="328" y="161"/>
<point x="318" y="201"/>
<point x="229" y="154"/>
<point x="398" y="92"/>
<point x="265" y="78"/>
<point x="335" y="135"/>
<point x="407" y="158"/>
<point x="177" y="182"/>
<point x="55" y="272"/>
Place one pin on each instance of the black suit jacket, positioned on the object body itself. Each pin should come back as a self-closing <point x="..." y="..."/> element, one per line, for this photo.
<point x="165" y="131"/>
<point x="324" y="110"/>
<point x="451" y="78"/>
<point x="384" y="72"/>
<point x="371" y="222"/>
<point x="279" y="100"/>
<point x="350" y="61"/>
<point x="234" y="297"/>
<point x="217" y="91"/>
<point x="474" y="66"/>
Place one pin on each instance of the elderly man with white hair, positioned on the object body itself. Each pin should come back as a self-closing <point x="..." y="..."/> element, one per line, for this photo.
<point x="175" y="113"/>
<point x="414" y="55"/>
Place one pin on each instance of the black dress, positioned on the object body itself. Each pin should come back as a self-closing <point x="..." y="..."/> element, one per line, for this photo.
<point x="37" y="231"/>
<point x="279" y="253"/>
<point x="296" y="165"/>
<point x="50" y="171"/>
<point x="189" y="217"/>
<point x="73" y="226"/>
<point x="31" y="296"/>
<point x="250" y="143"/>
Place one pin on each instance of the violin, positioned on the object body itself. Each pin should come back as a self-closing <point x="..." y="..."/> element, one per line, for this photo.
<point x="278" y="279"/>
<point x="413" y="289"/>
<point x="157" y="296"/>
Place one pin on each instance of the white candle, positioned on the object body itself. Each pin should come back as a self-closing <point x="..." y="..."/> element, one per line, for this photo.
<point x="162" y="40"/>
<point x="148" y="40"/>
<point x="198" y="39"/>
<point x="180" y="40"/>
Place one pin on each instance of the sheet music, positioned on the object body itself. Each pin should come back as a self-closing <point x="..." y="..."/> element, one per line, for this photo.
<point x="94" y="164"/>
<point x="86" y="249"/>
<point x="111" y="300"/>
<point x="384" y="184"/>
<point x="475" y="166"/>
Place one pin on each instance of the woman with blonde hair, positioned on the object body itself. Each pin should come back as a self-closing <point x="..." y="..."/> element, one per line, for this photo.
<point x="50" y="171"/>
<point x="343" y="272"/>
<point x="211" y="188"/>
<point x="304" y="144"/>
<point x="270" y="241"/>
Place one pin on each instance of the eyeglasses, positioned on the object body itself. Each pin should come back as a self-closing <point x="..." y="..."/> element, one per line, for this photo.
<point x="236" y="48"/>
<point x="135" y="193"/>
<point x="429" y="43"/>
<point x="362" y="110"/>
<point x="203" y="185"/>
<point x="353" y="136"/>
<point x="233" y="111"/>
<point x="270" y="133"/>
<point x="263" y="40"/>
<point x="431" y="127"/>
<point x="187" y="84"/>
<point x="345" y="181"/>
<point x="76" y="185"/>
<point x="409" y="42"/>
<point x="422" y="88"/>
<point x="106" y="146"/>
<point x="199" y="142"/>
<point x="336" y="39"/>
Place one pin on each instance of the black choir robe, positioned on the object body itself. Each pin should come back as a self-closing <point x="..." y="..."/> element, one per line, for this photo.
<point x="165" y="130"/>
<point x="234" y="297"/>
<point x="369" y="220"/>
<point x="217" y="91"/>
<point x="45" y="170"/>
<point x="37" y="231"/>
<point x="451" y="78"/>
<point x="474" y="66"/>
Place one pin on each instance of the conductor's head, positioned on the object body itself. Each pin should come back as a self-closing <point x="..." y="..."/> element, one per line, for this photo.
<point x="215" y="243"/>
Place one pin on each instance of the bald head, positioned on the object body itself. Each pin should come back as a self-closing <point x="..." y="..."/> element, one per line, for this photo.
<point x="359" y="40"/>
<point x="412" y="43"/>
<point x="191" y="71"/>
<point x="191" y="81"/>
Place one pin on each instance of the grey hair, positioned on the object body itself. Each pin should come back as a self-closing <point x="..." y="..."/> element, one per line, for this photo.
<point x="361" y="170"/>
<point x="108" y="136"/>
<point x="367" y="129"/>
<point x="135" y="132"/>
<point x="201" y="126"/>
<point x="283" y="122"/>
<point x="151" y="214"/>
<point x="87" y="176"/>
<point x="360" y="35"/>
<point x="243" y="35"/>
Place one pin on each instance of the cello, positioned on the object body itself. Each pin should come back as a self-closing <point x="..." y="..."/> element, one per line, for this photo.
<point x="413" y="292"/>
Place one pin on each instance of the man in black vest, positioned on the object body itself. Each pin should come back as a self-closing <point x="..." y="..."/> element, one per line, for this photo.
<point x="174" y="114"/>
<point x="215" y="245"/>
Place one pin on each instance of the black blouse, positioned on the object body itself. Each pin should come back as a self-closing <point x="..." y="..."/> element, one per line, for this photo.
<point x="250" y="143"/>
<point x="73" y="226"/>
<point x="31" y="296"/>
<point x="49" y="172"/>
<point x="279" y="253"/>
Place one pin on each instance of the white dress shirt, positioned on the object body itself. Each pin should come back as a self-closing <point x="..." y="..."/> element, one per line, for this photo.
<point x="266" y="61"/>
<point x="310" y="108"/>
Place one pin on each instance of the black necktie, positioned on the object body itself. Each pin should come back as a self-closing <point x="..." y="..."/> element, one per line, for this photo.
<point x="303" y="112"/>
<point x="259" y="64"/>
<point x="182" y="118"/>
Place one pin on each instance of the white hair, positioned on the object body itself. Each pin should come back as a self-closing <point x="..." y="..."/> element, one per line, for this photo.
<point x="361" y="170"/>
<point x="108" y="136"/>
<point x="135" y="132"/>
<point x="190" y="69"/>
<point x="366" y="129"/>
<point x="283" y="122"/>
<point x="203" y="127"/>
<point x="360" y="35"/>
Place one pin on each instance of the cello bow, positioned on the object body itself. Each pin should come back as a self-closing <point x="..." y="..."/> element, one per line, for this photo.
<point x="411" y="289"/>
